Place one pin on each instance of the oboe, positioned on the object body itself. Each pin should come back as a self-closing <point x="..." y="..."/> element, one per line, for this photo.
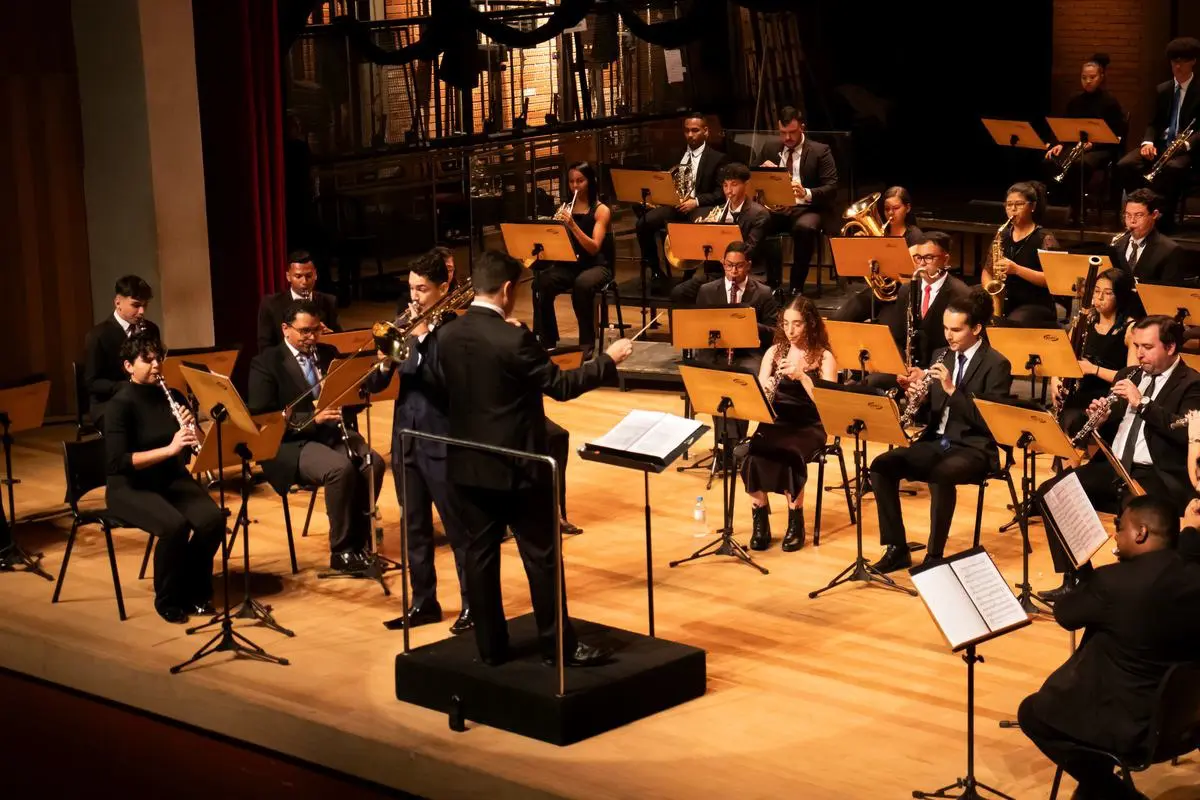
<point x="177" y="410"/>
<point x="1093" y="420"/>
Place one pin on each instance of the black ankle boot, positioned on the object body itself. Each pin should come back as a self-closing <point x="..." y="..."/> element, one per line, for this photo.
<point x="760" y="538"/>
<point x="794" y="538"/>
<point x="1068" y="585"/>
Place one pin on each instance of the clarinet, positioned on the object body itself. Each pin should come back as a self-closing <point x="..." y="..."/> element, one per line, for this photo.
<point x="1093" y="420"/>
<point x="917" y="392"/>
<point x="177" y="410"/>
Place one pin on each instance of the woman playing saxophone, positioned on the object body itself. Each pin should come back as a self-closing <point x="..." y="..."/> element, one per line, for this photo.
<point x="1026" y="299"/>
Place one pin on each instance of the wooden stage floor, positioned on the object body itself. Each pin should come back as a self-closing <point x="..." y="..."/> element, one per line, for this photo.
<point x="851" y="695"/>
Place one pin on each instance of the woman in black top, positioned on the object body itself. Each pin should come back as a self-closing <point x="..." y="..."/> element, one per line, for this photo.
<point x="897" y="213"/>
<point x="587" y="223"/>
<point x="150" y="488"/>
<point x="1094" y="102"/>
<point x="1027" y="301"/>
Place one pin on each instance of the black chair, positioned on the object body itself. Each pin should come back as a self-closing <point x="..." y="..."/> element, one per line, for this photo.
<point x="84" y="464"/>
<point x="834" y="449"/>
<point x="287" y="518"/>
<point x="1174" y="727"/>
<point x="82" y="404"/>
<point x="1002" y="474"/>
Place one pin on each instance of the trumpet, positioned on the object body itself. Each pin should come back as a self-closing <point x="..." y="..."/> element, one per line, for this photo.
<point x="917" y="392"/>
<point x="1169" y="152"/>
<point x="1073" y="155"/>
<point x="995" y="286"/>
<point x="177" y="411"/>
<point x="566" y="209"/>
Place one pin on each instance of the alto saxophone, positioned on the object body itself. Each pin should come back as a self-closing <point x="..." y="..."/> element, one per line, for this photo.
<point x="917" y="392"/>
<point x="995" y="286"/>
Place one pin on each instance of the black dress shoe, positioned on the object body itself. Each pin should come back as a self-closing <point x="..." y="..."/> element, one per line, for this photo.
<point x="1068" y="585"/>
<point x="584" y="655"/>
<point x="794" y="538"/>
<point x="760" y="536"/>
<point x="894" y="558"/>
<point x="173" y="614"/>
<point x="203" y="609"/>
<point x="424" y="614"/>
<point x="463" y="624"/>
<point x="568" y="528"/>
<point x="347" y="562"/>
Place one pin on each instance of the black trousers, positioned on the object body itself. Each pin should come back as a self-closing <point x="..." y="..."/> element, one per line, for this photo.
<point x="1093" y="772"/>
<point x="488" y="513"/>
<point x="428" y="488"/>
<point x="189" y="527"/>
<point x="1132" y="168"/>
<point x="943" y="468"/>
<point x="804" y="226"/>
<point x="559" y="444"/>
<point x="649" y="226"/>
<point x="346" y="489"/>
<point x="556" y="279"/>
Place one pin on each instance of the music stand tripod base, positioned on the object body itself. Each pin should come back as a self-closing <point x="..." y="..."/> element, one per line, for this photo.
<point x="14" y="559"/>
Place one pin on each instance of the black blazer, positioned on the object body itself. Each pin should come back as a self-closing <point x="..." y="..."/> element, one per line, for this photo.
<point x="1141" y="616"/>
<point x="757" y="296"/>
<point x="818" y="171"/>
<point x="1161" y="260"/>
<point x="274" y="306"/>
<point x="1168" y="448"/>
<point x="989" y="376"/>
<point x="708" y="176"/>
<point x="753" y="221"/>
<point x="1164" y="96"/>
<point x="103" y="370"/>
<point x="494" y="375"/>
<point x="276" y="379"/>
<point x="422" y="402"/>
<point x="929" y="333"/>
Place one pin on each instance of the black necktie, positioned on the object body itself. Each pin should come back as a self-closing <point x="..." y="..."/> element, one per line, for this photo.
<point x="1135" y="429"/>
<point x="962" y="366"/>
<point x="1133" y="256"/>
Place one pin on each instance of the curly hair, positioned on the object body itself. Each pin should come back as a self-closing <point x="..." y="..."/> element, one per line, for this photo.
<point x="816" y="338"/>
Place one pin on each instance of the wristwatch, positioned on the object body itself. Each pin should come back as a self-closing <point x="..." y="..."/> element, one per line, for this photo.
<point x="1141" y="406"/>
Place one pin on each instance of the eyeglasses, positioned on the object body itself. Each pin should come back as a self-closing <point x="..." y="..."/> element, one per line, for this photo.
<point x="735" y="264"/>
<point x="1136" y="216"/>
<point x="313" y="331"/>
<point x="1016" y="203"/>
<point x="926" y="259"/>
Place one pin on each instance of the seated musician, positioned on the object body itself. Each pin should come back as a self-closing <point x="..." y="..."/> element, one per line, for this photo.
<point x="447" y="257"/>
<point x="149" y="486"/>
<point x="814" y="186"/>
<point x="1027" y="300"/>
<point x="897" y="211"/>
<point x="587" y="220"/>
<point x="1106" y="347"/>
<point x="1093" y="102"/>
<point x="1140" y="616"/>
<point x="317" y="449"/>
<point x="301" y="278"/>
<point x="738" y="209"/>
<point x="779" y="452"/>
<point x="103" y="370"/>
<point x="699" y="173"/>
<point x="1145" y="252"/>
<point x="1176" y="105"/>
<point x="956" y="446"/>
<point x="1137" y="427"/>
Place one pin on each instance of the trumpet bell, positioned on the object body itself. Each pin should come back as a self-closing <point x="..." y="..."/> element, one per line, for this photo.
<point x="390" y="341"/>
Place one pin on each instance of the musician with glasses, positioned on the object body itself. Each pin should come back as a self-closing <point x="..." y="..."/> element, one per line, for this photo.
<point x="897" y="221"/>
<point x="699" y="173"/>
<point x="301" y="279"/>
<point x="103" y="368"/>
<point x="1145" y="252"/>
<point x="1176" y="106"/>
<point x="1027" y="299"/>
<point x="925" y="298"/>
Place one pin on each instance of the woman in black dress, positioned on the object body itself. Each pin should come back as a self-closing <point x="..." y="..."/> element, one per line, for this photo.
<point x="587" y="221"/>
<point x="1027" y="301"/>
<point x="1094" y="102"/>
<point x="1105" y="348"/>
<point x="150" y="488"/>
<point x="777" y="460"/>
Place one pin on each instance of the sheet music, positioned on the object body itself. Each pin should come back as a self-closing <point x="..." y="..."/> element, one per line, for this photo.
<point x="649" y="433"/>
<point x="989" y="591"/>
<point x="950" y="605"/>
<point x="1076" y="518"/>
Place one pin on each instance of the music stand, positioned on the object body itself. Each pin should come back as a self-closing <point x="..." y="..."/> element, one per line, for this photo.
<point x="1045" y="352"/>
<point x="731" y="328"/>
<point x="772" y="187"/>
<point x="567" y="358"/>
<point x="216" y="393"/>
<point x="1171" y="301"/>
<point x="868" y="344"/>
<point x="534" y="242"/>
<point x="215" y="359"/>
<point x="1033" y="432"/>
<point x="1092" y="131"/>
<point x="871" y="256"/>
<point x="644" y="186"/>
<point x="701" y="242"/>
<point x="730" y="393"/>
<point x="1066" y="273"/>
<point x="347" y="342"/>
<point x="22" y="408"/>
<point x="1013" y="133"/>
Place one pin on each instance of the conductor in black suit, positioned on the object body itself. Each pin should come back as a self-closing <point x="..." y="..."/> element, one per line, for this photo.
<point x="700" y="169"/>
<point x="956" y="446"/>
<point x="1145" y="252"/>
<point x="321" y="452"/>
<point x="1140" y="616"/>
<point x="302" y="281"/>
<point x="495" y="374"/>
<point x="104" y="369"/>
<point x="814" y="184"/>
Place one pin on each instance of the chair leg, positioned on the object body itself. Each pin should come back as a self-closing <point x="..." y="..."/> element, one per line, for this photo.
<point x="1058" y="773"/>
<point x="820" y="495"/>
<point x="979" y="513"/>
<point x="617" y="303"/>
<point x="62" y="571"/>
<point x="312" y="501"/>
<point x="146" y="558"/>
<point x="291" y="547"/>
<point x="841" y="457"/>
<point x="112" y="563"/>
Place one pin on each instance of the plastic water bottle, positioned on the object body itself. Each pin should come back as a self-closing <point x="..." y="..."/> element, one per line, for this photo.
<point x="699" y="519"/>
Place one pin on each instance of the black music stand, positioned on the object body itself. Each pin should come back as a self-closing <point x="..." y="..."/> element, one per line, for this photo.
<point x="534" y="242"/>
<point x="863" y="416"/>
<point x="1089" y="131"/>
<point x="21" y="408"/>
<point x="730" y="393"/>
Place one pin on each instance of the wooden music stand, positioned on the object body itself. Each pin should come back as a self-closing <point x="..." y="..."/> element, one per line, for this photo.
<point x="1191" y="359"/>
<point x="1082" y="129"/>
<point x="348" y="342"/>
<point x="864" y="256"/>
<point x="567" y="358"/>
<point x="540" y="241"/>
<point x="1044" y="352"/>
<point x="702" y="242"/>
<point x="645" y="186"/>
<point x="1171" y="301"/>
<point x="217" y="360"/>
<point x="1014" y="133"/>
<point x="732" y="328"/>
<point x="344" y="377"/>
<point x="868" y="344"/>
<point x="772" y="187"/>
<point x="1066" y="272"/>
<point x="22" y="408"/>
<point x="214" y="391"/>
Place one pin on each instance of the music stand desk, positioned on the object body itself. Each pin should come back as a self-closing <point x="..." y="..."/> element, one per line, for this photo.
<point x="217" y="360"/>
<point x="645" y="186"/>
<point x="544" y="241"/>
<point x="1014" y="133"/>
<point x="213" y="390"/>
<point x="867" y="344"/>
<point x="22" y="408"/>
<point x="1171" y="301"/>
<point x="1066" y="271"/>
<point x="343" y="378"/>
<point x="860" y="256"/>
<point x="1043" y="352"/>
<point x="702" y="242"/>
<point x="731" y="328"/>
<point x="772" y="186"/>
<point x="348" y="342"/>
<point x="25" y="406"/>
<point x="1082" y="129"/>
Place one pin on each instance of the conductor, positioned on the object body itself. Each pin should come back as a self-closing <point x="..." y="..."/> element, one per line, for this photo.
<point x="495" y="374"/>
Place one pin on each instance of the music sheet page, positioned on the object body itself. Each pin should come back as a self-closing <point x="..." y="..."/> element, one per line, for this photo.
<point x="950" y="605"/>
<point x="1076" y="518"/>
<point x="649" y="433"/>
<point x="988" y="590"/>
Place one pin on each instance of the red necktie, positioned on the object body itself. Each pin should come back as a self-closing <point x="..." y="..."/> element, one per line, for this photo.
<point x="733" y="294"/>
<point x="925" y="302"/>
<point x="788" y="163"/>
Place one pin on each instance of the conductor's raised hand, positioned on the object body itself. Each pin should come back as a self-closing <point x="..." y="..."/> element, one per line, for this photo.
<point x="620" y="350"/>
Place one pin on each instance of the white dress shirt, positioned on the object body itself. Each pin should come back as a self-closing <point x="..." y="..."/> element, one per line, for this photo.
<point x="1183" y="90"/>
<point x="807" y="198"/>
<point x="1141" y="452"/>
<point x="699" y="151"/>
<point x="1141" y="244"/>
<point x="730" y="211"/>
<point x="741" y="287"/>
<point x="934" y="288"/>
<point x="970" y="354"/>
<point x="490" y="306"/>
<point x="125" y="326"/>
<point x="296" y="296"/>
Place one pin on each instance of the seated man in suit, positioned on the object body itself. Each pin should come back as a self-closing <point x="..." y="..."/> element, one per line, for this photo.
<point x="1137" y="427"/>
<point x="1140" y="616"/>
<point x="956" y="446"/>
<point x="302" y="280"/>
<point x="1145" y="252"/>
<point x="925" y="299"/>
<point x="814" y="184"/>
<point x="317" y="448"/>
<point x="699" y="171"/>
<point x="103" y="368"/>
<point x="751" y="219"/>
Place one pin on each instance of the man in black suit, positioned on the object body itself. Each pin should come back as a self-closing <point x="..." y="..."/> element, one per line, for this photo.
<point x="814" y="185"/>
<point x="1152" y="395"/>
<point x="302" y="280"/>
<point x="740" y="288"/>
<point x="926" y="299"/>
<point x="1176" y="104"/>
<point x="956" y="446"/>
<point x="1147" y="253"/>
<point x="495" y="375"/>
<point x="1140" y="616"/>
<point x="103" y="368"/>
<point x="314" y="448"/>
<point x="700" y="169"/>
<point x="752" y="220"/>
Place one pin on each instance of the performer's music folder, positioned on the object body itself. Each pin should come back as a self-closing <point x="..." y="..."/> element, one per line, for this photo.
<point x="652" y="439"/>
<point x="1070" y="515"/>
<point x="968" y="597"/>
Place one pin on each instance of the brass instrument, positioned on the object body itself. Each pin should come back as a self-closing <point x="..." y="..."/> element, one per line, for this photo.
<point x="177" y="412"/>
<point x="917" y="392"/>
<point x="864" y="220"/>
<point x="685" y="183"/>
<point x="995" y="286"/>
<point x="566" y="209"/>
<point x="1094" y="419"/>
<point x="714" y="216"/>
<point x="1073" y="155"/>
<point x="1169" y="152"/>
<point x="391" y="338"/>
<point x="1113" y="241"/>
